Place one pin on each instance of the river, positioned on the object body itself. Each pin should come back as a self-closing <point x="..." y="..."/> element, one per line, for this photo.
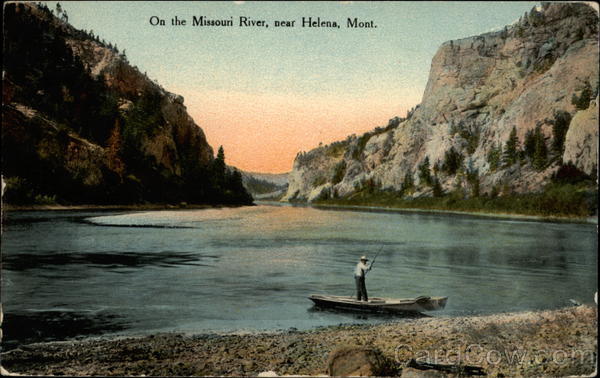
<point x="75" y="274"/>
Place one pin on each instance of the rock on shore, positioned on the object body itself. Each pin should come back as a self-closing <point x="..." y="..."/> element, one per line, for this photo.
<point x="559" y="342"/>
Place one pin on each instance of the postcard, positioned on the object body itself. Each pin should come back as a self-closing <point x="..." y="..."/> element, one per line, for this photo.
<point x="335" y="188"/>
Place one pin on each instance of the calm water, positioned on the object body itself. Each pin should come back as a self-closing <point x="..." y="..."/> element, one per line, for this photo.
<point x="76" y="274"/>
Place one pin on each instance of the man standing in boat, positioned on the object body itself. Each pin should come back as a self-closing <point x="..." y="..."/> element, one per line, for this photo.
<point x="360" y="272"/>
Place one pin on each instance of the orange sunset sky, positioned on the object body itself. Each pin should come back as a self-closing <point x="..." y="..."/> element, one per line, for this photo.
<point x="263" y="133"/>
<point x="266" y="93"/>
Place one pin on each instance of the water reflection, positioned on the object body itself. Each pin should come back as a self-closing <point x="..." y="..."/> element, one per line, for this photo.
<point x="26" y="261"/>
<point x="362" y="315"/>
<point x="254" y="267"/>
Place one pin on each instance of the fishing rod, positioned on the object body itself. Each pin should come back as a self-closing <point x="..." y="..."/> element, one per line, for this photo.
<point x="375" y="258"/>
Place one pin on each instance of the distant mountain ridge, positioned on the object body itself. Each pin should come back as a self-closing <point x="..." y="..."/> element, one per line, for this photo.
<point x="276" y="178"/>
<point x="502" y="112"/>
<point x="82" y="125"/>
<point x="265" y="185"/>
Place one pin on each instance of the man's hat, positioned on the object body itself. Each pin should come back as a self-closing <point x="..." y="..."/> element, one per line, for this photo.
<point x="364" y="258"/>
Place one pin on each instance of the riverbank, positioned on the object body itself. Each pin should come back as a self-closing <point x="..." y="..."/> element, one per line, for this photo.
<point x="557" y="343"/>
<point x="325" y="204"/>
<point x="497" y="215"/>
<point x="137" y="207"/>
<point x="557" y="201"/>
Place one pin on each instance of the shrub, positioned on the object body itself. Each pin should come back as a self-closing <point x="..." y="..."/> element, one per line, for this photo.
<point x="360" y="146"/>
<point x="42" y="199"/>
<point x="318" y="181"/>
<point x="337" y="149"/>
<point x="569" y="174"/>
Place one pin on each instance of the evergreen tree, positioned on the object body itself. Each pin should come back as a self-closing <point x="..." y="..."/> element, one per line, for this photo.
<point x="493" y="156"/>
<point x="218" y="170"/>
<point x="473" y="179"/>
<point x="437" y="187"/>
<point x="408" y="183"/>
<point x="437" y="168"/>
<point x="511" y="148"/>
<point x="540" y="156"/>
<point x="452" y="161"/>
<point x="560" y="126"/>
<point x="424" y="171"/>
<point x="220" y="160"/>
<point x="582" y="101"/>
<point x="529" y="144"/>
<point x="235" y="192"/>
<point x="114" y="149"/>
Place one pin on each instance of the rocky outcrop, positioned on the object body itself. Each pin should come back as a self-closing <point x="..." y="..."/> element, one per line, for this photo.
<point x="479" y="89"/>
<point x="581" y="144"/>
<point x="82" y="124"/>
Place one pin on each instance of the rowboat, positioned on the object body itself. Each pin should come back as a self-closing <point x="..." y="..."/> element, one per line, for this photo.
<point x="417" y="304"/>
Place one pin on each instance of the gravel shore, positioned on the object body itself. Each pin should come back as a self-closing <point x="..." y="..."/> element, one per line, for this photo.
<point x="558" y="343"/>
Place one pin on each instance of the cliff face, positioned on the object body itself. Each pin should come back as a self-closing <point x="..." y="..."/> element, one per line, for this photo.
<point x="81" y="124"/>
<point x="532" y="77"/>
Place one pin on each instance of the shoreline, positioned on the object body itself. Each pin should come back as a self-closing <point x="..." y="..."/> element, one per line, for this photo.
<point x="549" y="342"/>
<point x="365" y="208"/>
<point x="400" y="210"/>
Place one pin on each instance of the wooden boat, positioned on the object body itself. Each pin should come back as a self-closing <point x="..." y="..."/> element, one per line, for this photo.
<point x="418" y="304"/>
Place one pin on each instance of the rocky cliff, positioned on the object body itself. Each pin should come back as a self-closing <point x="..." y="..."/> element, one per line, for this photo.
<point x="502" y="111"/>
<point x="83" y="125"/>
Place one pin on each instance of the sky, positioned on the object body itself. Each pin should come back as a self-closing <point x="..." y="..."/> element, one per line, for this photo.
<point x="265" y="94"/>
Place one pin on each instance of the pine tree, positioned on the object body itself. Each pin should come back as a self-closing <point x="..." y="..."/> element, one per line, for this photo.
<point x="114" y="149"/>
<point x="529" y="144"/>
<point x="219" y="168"/>
<point x="437" y="187"/>
<point x="511" y="148"/>
<point x="453" y="160"/>
<point x="540" y="157"/>
<point x="408" y="182"/>
<point x="424" y="171"/>
<point x="582" y="101"/>
<point x="473" y="179"/>
<point x="494" y="155"/>
<point x="560" y="126"/>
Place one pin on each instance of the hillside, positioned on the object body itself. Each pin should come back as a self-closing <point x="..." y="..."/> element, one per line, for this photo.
<point x="265" y="185"/>
<point x="83" y="125"/>
<point x="503" y="113"/>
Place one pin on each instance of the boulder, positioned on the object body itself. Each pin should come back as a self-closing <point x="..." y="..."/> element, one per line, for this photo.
<point x="361" y="361"/>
